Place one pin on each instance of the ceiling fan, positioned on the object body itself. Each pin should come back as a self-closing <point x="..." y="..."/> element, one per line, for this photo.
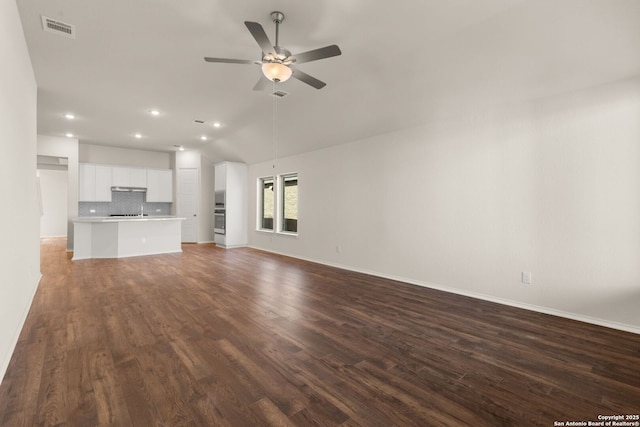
<point x="278" y="64"/>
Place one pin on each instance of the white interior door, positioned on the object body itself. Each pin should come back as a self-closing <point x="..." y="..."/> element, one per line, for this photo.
<point x="53" y="195"/>
<point x="188" y="195"/>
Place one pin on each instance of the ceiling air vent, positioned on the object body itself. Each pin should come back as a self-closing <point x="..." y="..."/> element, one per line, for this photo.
<point x="52" y="26"/>
<point x="198" y="121"/>
<point x="280" y="93"/>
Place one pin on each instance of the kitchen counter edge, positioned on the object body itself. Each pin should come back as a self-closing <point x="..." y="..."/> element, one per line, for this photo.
<point x="127" y="219"/>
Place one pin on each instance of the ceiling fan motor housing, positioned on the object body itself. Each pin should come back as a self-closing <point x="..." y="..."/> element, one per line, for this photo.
<point x="281" y="55"/>
<point x="277" y="17"/>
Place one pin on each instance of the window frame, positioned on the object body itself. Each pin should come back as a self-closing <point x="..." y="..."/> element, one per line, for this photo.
<point x="278" y="181"/>
<point x="260" y="217"/>
<point x="280" y="207"/>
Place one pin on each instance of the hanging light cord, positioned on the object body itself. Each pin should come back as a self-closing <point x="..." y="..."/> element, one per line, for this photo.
<point x="275" y="125"/>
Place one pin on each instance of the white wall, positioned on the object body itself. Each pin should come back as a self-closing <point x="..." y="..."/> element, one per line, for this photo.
<point x="99" y="154"/>
<point x="53" y="188"/>
<point x="551" y="187"/>
<point x="20" y="216"/>
<point x="65" y="147"/>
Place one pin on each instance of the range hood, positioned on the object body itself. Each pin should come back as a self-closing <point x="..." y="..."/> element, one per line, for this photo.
<point x="129" y="189"/>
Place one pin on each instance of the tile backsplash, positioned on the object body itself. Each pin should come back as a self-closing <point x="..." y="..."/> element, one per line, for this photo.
<point x="123" y="203"/>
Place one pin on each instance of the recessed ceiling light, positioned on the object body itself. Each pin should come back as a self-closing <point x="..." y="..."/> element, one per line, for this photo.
<point x="68" y="135"/>
<point x="137" y="135"/>
<point x="155" y="112"/>
<point x="203" y="137"/>
<point x="216" y="124"/>
<point x="69" y="116"/>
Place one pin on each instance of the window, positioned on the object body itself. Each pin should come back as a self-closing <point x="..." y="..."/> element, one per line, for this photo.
<point x="267" y="207"/>
<point x="289" y="219"/>
<point x="278" y="198"/>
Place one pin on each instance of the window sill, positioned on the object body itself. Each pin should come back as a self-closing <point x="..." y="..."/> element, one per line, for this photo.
<point x="287" y="233"/>
<point x="265" y="230"/>
<point x="277" y="233"/>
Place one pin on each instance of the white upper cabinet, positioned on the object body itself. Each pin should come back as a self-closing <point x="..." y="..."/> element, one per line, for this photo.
<point x="220" y="177"/>
<point x="129" y="177"/>
<point x="94" y="183"/>
<point x="138" y="177"/>
<point x="103" y="183"/>
<point x="87" y="183"/>
<point x="159" y="185"/>
<point x="120" y="177"/>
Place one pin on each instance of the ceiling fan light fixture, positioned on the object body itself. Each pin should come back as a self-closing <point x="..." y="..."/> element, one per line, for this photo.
<point x="276" y="71"/>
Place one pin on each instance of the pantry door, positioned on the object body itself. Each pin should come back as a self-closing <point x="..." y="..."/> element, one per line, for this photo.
<point x="188" y="191"/>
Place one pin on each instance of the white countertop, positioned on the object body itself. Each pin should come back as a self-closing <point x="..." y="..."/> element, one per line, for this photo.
<point x="127" y="218"/>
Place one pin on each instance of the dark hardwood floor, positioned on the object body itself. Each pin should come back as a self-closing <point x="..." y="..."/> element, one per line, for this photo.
<point x="240" y="337"/>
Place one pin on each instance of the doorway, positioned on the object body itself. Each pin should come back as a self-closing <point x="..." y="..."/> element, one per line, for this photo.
<point x="52" y="177"/>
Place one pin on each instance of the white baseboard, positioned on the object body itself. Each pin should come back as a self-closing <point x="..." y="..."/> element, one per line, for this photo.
<point x="16" y="334"/>
<point x="531" y="307"/>
<point x="232" y="246"/>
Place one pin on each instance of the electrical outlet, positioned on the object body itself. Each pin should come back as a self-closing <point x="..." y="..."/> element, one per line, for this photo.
<point x="92" y="211"/>
<point x="338" y="249"/>
<point x="526" y="277"/>
<point x="158" y="210"/>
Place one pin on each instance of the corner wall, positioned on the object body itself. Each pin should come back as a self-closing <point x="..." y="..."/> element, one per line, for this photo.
<point x="20" y="218"/>
<point x="550" y="187"/>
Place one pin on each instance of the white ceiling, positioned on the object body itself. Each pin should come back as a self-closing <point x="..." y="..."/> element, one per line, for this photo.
<point x="401" y="66"/>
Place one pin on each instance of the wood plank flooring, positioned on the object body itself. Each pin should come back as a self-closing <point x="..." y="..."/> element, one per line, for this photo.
<point x="215" y="337"/>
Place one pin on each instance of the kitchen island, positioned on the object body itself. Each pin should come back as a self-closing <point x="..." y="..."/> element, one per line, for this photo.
<point x="119" y="237"/>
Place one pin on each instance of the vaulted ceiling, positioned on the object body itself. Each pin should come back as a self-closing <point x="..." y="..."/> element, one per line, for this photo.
<point x="403" y="63"/>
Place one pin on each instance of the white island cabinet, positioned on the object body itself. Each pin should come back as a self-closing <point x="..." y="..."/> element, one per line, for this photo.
<point x="109" y="237"/>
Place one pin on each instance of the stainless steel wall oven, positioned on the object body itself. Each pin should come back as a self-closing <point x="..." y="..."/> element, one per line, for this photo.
<point x="219" y="221"/>
<point x="220" y="199"/>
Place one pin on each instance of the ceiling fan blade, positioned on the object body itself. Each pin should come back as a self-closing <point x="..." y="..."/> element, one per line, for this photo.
<point x="229" y="61"/>
<point x="314" y="55"/>
<point x="306" y="78"/>
<point x="262" y="84"/>
<point x="258" y="33"/>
